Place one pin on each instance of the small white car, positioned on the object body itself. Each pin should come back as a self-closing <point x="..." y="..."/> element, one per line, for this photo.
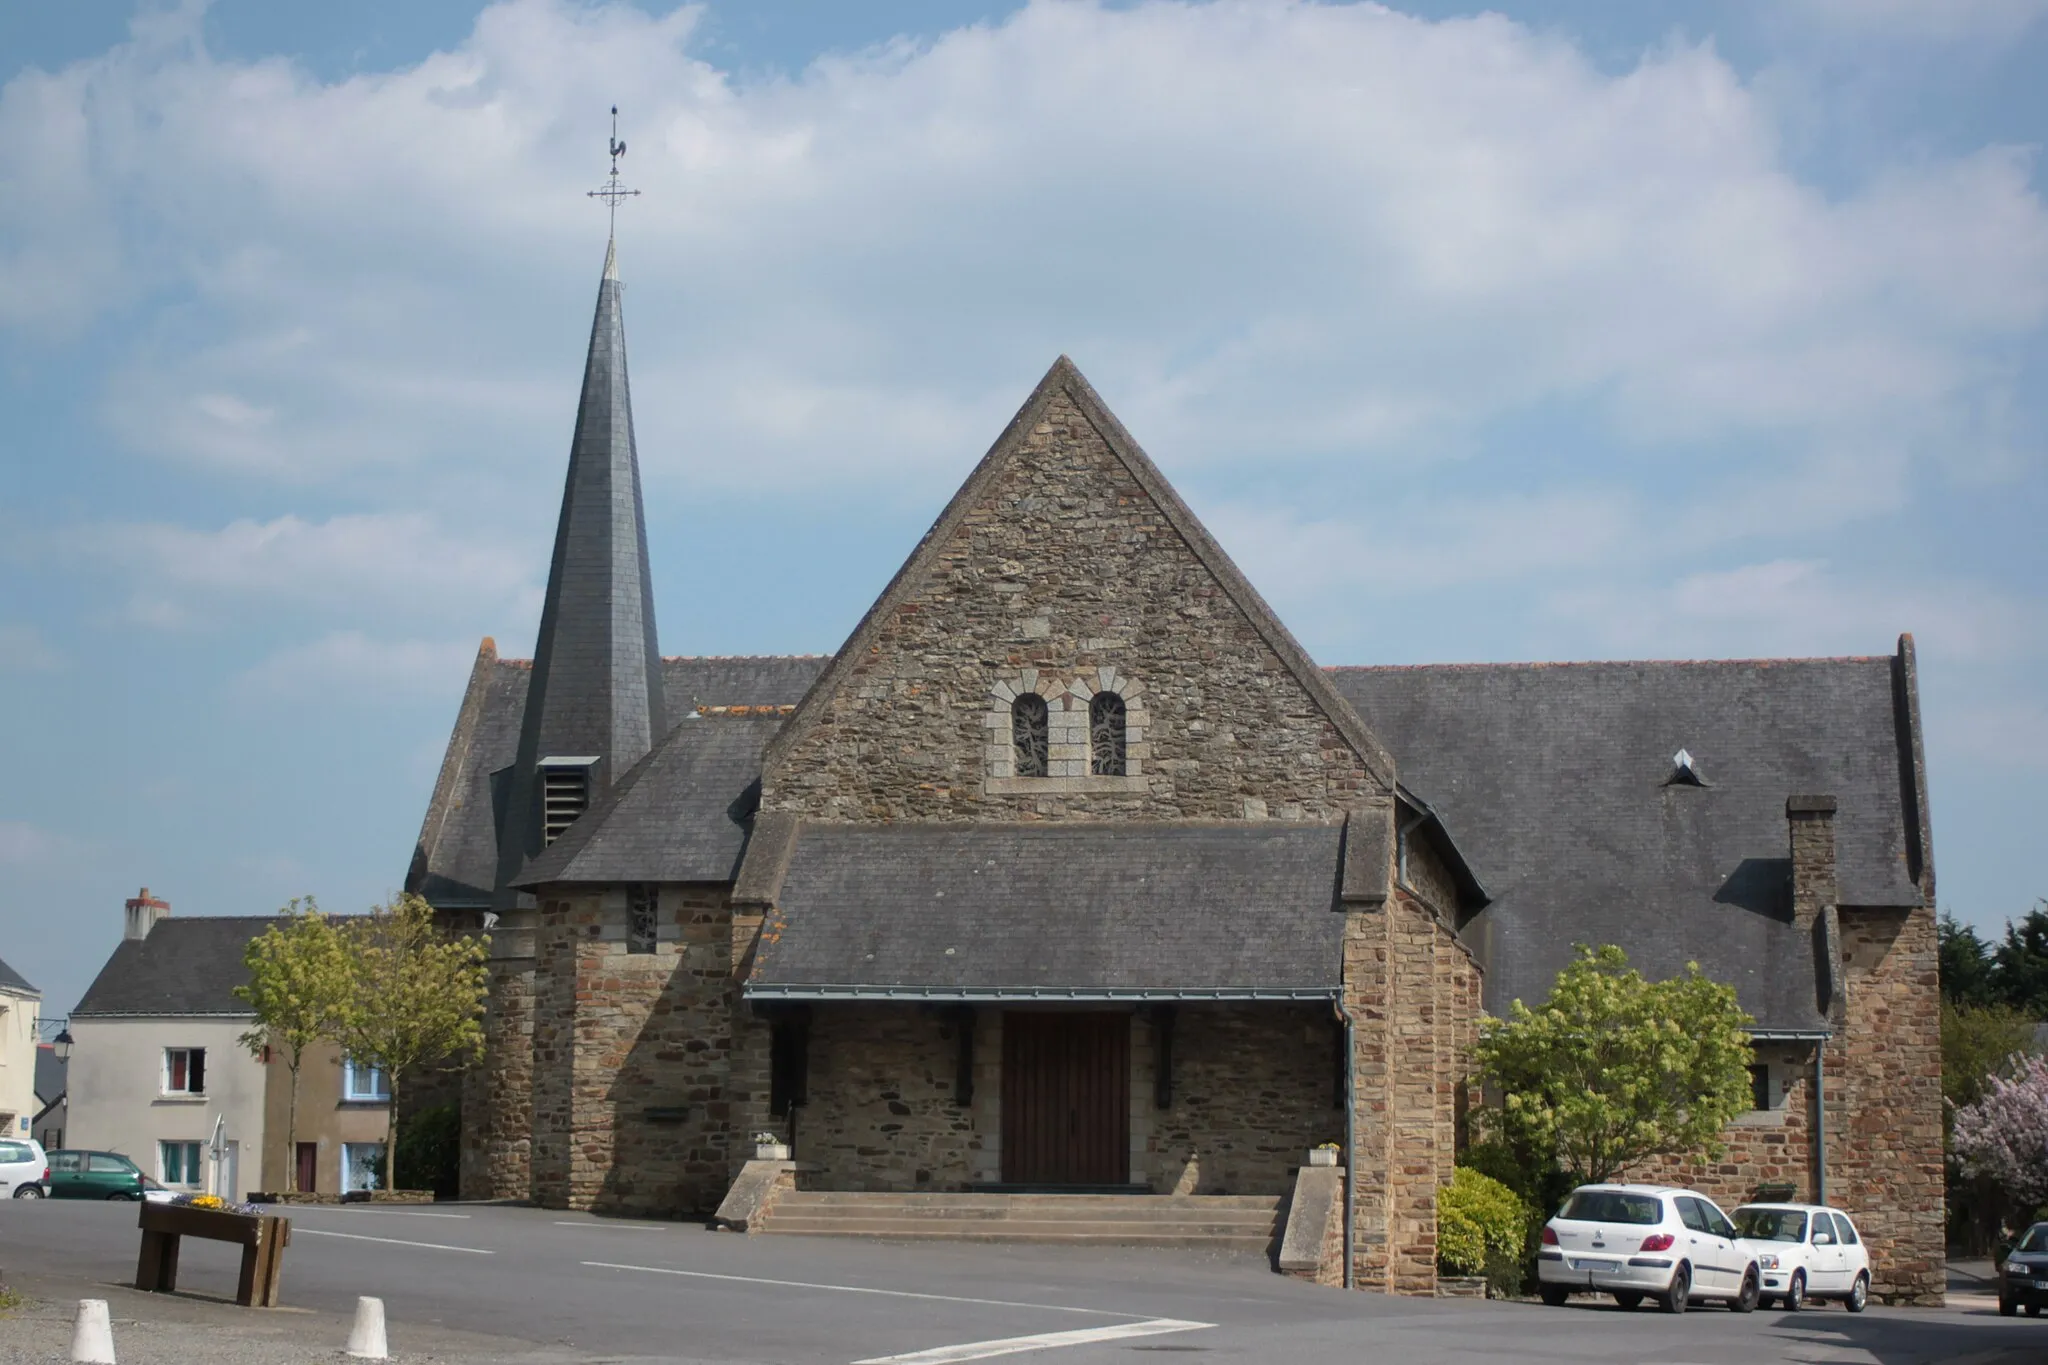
<point x="1639" y="1242"/>
<point x="24" y="1170"/>
<point x="1807" y="1252"/>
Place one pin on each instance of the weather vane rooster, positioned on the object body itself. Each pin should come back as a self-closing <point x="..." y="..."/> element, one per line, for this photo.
<point x="611" y="193"/>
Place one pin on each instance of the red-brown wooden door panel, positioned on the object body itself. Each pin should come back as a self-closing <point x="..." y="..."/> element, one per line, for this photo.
<point x="1066" y="1099"/>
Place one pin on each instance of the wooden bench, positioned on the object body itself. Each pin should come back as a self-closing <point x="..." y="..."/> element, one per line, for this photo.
<point x="262" y="1237"/>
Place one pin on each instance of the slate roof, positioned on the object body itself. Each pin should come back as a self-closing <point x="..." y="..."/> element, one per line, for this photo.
<point x="679" y="816"/>
<point x="952" y="911"/>
<point x="187" y="965"/>
<point x="455" y="861"/>
<point x="1554" y="776"/>
<point x="11" y="980"/>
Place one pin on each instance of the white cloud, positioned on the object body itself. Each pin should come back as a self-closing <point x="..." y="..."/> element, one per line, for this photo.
<point x="393" y="563"/>
<point x="23" y="649"/>
<point x="1262" y="227"/>
<point x="348" y="664"/>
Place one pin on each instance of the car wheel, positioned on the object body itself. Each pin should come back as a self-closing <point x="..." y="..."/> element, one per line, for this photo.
<point x="1673" y="1300"/>
<point x="2007" y="1308"/>
<point x="1555" y="1295"/>
<point x="29" y="1192"/>
<point x="1745" y="1300"/>
<point x="119" y="1198"/>
<point x="1795" y="1292"/>
<point x="1628" y="1298"/>
<point x="1859" y="1295"/>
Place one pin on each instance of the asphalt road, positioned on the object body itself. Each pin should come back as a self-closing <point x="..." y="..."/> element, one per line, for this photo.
<point x="617" y="1290"/>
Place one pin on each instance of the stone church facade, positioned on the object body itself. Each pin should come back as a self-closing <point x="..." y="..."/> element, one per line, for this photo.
<point x="1072" y="870"/>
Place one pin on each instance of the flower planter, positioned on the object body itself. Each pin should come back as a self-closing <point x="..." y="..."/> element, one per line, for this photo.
<point x="262" y="1237"/>
<point x="1461" y="1286"/>
<point x="771" y="1151"/>
<point x="1322" y="1156"/>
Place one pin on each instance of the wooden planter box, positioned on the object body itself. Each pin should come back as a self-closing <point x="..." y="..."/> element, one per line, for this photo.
<point x="262" y="1237"/>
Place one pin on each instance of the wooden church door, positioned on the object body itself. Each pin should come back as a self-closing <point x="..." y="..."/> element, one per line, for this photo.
<point x="1066" y="1099"/>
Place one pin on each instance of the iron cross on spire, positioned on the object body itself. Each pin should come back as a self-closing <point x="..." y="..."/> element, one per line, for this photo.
<point x="611" y="193"/>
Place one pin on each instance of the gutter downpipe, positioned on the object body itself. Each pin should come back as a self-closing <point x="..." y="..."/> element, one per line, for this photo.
<point x="1350" y="1138"/>
<point x="1820" y="1122"/>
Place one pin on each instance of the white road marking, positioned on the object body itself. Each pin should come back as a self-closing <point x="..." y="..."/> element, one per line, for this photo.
<point x="1045" y="1341"/>
<point x="622" y="1227"/>
<point x="862" y="1289"/>
<point x="389" y="1241"/>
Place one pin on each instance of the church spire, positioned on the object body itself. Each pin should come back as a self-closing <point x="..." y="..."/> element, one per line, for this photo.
<point x="594" y="706"/>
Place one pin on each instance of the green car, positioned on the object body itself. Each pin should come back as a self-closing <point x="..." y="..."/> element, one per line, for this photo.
<point x="94" y="1175"/>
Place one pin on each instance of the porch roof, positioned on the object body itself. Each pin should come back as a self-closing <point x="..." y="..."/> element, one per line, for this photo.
<point x="1056" y="912"/>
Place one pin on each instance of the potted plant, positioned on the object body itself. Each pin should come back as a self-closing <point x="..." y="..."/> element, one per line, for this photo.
<point x="1324" y="1155"/>
<point x="769" y="1146"/>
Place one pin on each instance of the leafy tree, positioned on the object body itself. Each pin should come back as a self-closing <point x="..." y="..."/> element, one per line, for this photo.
<point x="1612" y="1069"/>
<point x="2004" y="1135"/>
<point x="299" y="986"/>
<point x="418" y="999"/>
<point x="1977" y="1044"/>
<point x="1967" y="969"/>
<point x="2022" y="963"/>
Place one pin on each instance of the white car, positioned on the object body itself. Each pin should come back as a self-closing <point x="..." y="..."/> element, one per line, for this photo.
<point x="1640" y="1242"/>
<point x="24" y="1170"/>
<point x="1806" y="1252"/>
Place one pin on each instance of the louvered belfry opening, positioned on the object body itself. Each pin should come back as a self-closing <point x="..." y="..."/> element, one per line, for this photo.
<point x="1029" y="732"/>
<point x="565" y="794"/>
<point x="1066" y="1098"/>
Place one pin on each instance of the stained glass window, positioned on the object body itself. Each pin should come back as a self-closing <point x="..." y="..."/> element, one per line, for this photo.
<point x="642" y="925"/>
<point x="1028" y="733"/>
<point x="1106" y="735"/>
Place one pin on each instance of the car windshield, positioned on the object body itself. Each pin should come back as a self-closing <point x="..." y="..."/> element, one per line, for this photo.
<point x="2036" y="1239"/>
<point x="1771" y="1225"/>
<point x="1613" y="1206"/>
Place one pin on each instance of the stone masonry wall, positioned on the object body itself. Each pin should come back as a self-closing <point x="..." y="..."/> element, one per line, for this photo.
<point x="1067" y="568"/>
<point x="497" y="1093"/>
<point x="1254" y="1087"/>
<point x="1762" y="1148"/>
<point x="633" y="1109"/>
<point x="882" y="1111"/>
<point x="1884" y="1101"/>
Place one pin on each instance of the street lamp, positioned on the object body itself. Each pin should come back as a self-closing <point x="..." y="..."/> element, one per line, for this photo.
<point x="61" y="1046"/>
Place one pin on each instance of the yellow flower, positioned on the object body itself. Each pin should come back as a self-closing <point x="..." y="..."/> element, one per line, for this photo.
<point x="209" y="1201"/>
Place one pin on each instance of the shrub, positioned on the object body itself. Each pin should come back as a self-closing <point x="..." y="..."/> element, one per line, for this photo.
<point x="430" y="1150"/>
<point x="1480" y="1224"/>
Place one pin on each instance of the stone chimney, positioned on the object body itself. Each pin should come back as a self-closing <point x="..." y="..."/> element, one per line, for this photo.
<point x="1812" y="821"/>
<point x="144" y="910"/>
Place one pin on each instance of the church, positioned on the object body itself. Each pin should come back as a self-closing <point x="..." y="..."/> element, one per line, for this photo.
<point x="1072" y="871"/>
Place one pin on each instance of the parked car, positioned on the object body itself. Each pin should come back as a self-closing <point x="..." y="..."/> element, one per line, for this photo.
<point x="24" y="1171"/>
<point x="1807" y="1252"/>
<point x="94" y="1175"/>
<point x="2023" y="1279"/>
<point x="156" y="1193"/>
<point x="1646" y="1241"/>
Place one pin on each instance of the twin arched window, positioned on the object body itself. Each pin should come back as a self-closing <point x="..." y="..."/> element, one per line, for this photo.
<point x="1031" y="735"/>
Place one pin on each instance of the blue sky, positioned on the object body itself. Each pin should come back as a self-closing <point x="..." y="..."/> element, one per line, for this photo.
<point x="1562" y="331"/>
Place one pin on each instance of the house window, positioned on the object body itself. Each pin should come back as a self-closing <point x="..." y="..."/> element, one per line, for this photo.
<point x="642" y="921"/>
<point x="1760" y="1086"/>
<point x="1028" y="734"/>
<point x="363" y="1082"/>
<point x="1106" y="735"/>
<point x="178" y="1164"/>
<point x="184" y="1071"/>
<point x="362" y="1166"/>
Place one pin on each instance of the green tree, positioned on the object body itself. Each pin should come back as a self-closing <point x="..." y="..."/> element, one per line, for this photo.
<point x="2022" y="963"/>
<point x="1612" y="1069"/>
<point x="299" y="986"/>
<point x="418" y="999"/>
<point x="1967" y="968"/>
<point x="1977" y="1044"/>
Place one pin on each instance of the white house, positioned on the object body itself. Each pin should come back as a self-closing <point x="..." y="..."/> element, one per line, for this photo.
<point x="20" y="1010"/>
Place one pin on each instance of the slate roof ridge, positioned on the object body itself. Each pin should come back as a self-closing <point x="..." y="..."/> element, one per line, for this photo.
<point x="1763" y="661"/>
<point x="1197" y="823"/>
<point x="11" y="980"/>
<point x="1065" y="378"/>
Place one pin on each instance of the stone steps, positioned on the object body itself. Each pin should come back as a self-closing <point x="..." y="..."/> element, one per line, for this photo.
<point x="1226" y="1222"/>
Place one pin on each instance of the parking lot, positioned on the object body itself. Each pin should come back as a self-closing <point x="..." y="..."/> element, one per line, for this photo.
<point x="489" y="1282"/>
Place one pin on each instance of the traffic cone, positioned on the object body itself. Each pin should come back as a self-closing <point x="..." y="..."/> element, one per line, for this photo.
<point x="92" y="1340"/>
<point x="366" y="1338"/>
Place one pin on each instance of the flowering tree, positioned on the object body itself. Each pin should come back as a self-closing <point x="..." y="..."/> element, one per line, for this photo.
<point x="298" y="987"/>
<point x="2004" y="1136"/>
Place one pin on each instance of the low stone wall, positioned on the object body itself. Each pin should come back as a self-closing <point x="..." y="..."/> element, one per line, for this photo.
<point x="1254" y="1087"/>
<point x="882" y="1112"/>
